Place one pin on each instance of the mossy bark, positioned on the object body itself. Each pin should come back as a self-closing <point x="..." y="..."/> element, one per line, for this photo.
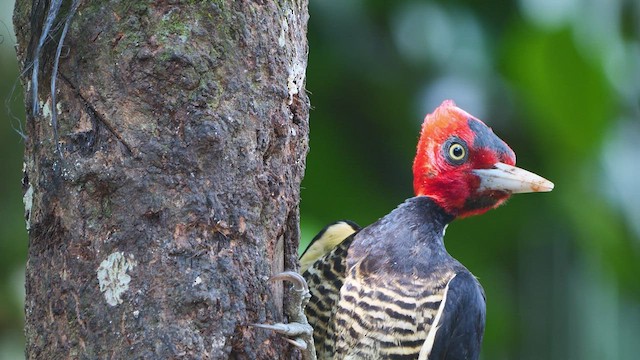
<point x="183" y="129"/>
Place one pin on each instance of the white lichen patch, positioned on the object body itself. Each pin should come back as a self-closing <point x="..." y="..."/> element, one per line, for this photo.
<point x="295" y="82"/>
<point x="284" y="29"/>
<point x="46" y="110"/>
<point x="113" y="278"/>
<point x="297" y="67"/>
<point x="27" y="199"/>
<point x="218" y="343"/>
<point x="197" y="281"/>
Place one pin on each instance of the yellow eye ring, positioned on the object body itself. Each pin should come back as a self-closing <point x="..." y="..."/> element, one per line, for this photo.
<point x="457" y="152"/>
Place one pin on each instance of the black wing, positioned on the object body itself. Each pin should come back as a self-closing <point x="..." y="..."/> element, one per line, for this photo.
<point x="461" y="324"/>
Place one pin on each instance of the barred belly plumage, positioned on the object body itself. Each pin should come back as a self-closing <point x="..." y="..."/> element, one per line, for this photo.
<point x="384" y="318"/>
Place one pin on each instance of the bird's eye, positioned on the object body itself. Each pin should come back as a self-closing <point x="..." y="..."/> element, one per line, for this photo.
<point x="455" y="151"/>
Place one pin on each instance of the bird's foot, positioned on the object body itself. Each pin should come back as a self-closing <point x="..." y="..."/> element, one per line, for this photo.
<point x="298" y="332"/>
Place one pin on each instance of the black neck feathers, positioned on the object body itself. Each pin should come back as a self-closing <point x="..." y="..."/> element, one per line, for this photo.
<point x="407" y="240"/>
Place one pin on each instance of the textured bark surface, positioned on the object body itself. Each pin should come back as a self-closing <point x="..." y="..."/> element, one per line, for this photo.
<point x="184" y="129"/>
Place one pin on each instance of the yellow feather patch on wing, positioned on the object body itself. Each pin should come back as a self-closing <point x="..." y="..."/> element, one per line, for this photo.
<point x="325" y="241"/>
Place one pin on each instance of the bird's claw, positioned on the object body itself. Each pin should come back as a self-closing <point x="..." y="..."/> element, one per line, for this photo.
<point x="297" y="332"/>
<point x="300" y="284"/>
<point x="292" y="332"/>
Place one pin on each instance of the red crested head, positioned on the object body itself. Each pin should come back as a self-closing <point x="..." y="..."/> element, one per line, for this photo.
<point x="464" y="166"/>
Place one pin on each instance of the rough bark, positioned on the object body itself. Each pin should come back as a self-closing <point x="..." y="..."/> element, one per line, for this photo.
<point x="183" y="129"/>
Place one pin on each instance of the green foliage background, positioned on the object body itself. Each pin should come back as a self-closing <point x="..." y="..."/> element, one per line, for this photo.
<point x="557" y="80"/>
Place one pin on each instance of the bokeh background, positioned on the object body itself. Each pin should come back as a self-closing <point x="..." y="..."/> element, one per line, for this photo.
<point x="558" y="80"/>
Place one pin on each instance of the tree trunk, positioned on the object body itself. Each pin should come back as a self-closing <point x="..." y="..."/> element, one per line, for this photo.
<point x="172" y="194"/>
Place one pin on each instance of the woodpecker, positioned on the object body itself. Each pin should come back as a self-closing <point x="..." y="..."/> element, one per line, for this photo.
<point x="391" y="290"/>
